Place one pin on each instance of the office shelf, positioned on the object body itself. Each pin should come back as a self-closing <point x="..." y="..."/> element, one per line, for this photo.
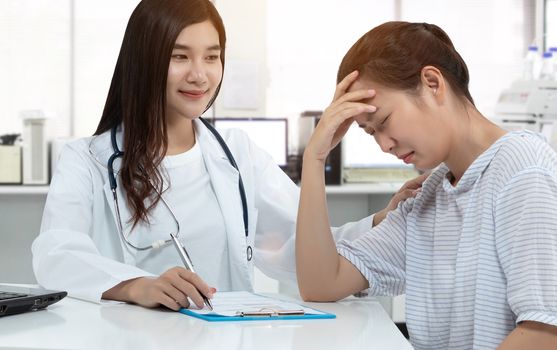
<point x="353" y="188"/>
<point x="365" y="188"/>
<point x="23" y="189"/>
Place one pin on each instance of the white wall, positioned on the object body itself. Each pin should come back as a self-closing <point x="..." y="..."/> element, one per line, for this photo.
<point x="34" y="60"/>
<point x="36" y="48"/>
<point x="246" y="45"/>
<point x="551" y="23"/>
<point x="99" y="29"/>
<point x="306" y="43"/>
<point x="296" y="47"/>
<point x="489" y="35"/>
<point x="36" y="65"/>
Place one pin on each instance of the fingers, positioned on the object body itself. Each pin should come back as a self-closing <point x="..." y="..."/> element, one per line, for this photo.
<point x="410" y="189"/>
<point x="423" y="177"/>
<point x="356" y="96"/>
<point x="176" y="285"/>
<point x="174" y="298"/>
<point x="358" y="107"/>
<point x="401" y="196"/>
<point x="348" y="104"/>
<point x="345" y="83"/>
<point x="195" y="287"/>
<point x="337" y="118"/>
<point x="344" y="126"/>
<point x="336" y="115"/>
<point x="416" y="182"/>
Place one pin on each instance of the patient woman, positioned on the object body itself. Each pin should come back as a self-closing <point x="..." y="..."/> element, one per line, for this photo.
<point x="476" y="250"/>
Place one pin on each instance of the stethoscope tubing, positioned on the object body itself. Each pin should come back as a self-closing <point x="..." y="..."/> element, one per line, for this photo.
<point x="117" y="153"/>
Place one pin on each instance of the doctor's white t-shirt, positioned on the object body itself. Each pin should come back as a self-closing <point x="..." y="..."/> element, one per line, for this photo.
<point x="202" y="231"/>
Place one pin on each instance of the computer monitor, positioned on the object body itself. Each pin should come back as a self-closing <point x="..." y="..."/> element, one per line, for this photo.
<point x="271" y="134"/>
<point x="361" y="151"/>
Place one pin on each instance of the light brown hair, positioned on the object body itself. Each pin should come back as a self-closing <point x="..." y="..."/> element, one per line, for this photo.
<point x="394" y="53"/>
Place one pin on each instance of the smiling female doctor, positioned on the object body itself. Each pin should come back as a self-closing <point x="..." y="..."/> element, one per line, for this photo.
<point x="228" y="202"/>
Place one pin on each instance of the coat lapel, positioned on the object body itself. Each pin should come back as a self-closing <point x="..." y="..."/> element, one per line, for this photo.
<point x="224" y="179"/>
<point x="101" y="149"/>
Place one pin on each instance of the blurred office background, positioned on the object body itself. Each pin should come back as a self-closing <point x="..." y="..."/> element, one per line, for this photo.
<point x="57" y="59"/>
<point x="58" y="55"/>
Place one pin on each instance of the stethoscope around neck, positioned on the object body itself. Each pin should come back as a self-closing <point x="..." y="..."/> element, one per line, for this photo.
<point x="160" y="243"/>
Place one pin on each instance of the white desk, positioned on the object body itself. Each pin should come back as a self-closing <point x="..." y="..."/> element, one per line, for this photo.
<point x="75" y="324"/>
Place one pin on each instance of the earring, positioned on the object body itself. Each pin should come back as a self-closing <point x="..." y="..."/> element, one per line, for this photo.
<point x="435" y="91"/>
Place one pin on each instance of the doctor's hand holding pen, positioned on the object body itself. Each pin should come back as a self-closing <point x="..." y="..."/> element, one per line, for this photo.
<point x="171" y="289"/>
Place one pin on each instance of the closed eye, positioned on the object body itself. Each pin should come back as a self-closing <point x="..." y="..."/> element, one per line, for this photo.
<point x="367" y="129"/>
<point x="383" y="124"/>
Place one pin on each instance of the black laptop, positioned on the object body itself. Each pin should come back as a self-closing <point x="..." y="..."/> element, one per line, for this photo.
<point x="16" y="300"/>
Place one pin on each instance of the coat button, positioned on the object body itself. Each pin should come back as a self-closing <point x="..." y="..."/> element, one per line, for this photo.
<point x="249" y="253"/>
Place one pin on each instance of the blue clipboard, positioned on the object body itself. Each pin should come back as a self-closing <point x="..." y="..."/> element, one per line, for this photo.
<point x="270" y="315"/>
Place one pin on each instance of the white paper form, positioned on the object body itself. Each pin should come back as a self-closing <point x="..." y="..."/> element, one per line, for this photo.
<point x="234" y="303"/>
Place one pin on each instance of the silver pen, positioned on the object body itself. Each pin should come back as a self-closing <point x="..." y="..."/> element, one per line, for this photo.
<point x="189" y="265"/>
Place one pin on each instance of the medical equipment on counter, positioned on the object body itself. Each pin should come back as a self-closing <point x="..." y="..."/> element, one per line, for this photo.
<point x="528" y="99"/>
<point x="35" y="148"/>
<point x="529" y="104"/>
<point x="10" y="159"/>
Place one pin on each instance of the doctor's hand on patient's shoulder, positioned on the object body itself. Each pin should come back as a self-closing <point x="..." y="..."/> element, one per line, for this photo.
<point x="410" y="189"/>
<point x="171" y="289"/>
<point x="336" y="118"/>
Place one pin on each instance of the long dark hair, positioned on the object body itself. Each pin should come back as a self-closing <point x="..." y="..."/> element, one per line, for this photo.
<point x="137" y="94"/>
<point x="394" y="53"/>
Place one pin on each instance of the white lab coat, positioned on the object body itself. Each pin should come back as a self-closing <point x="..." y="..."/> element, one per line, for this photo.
<point x="80" y="250"/>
